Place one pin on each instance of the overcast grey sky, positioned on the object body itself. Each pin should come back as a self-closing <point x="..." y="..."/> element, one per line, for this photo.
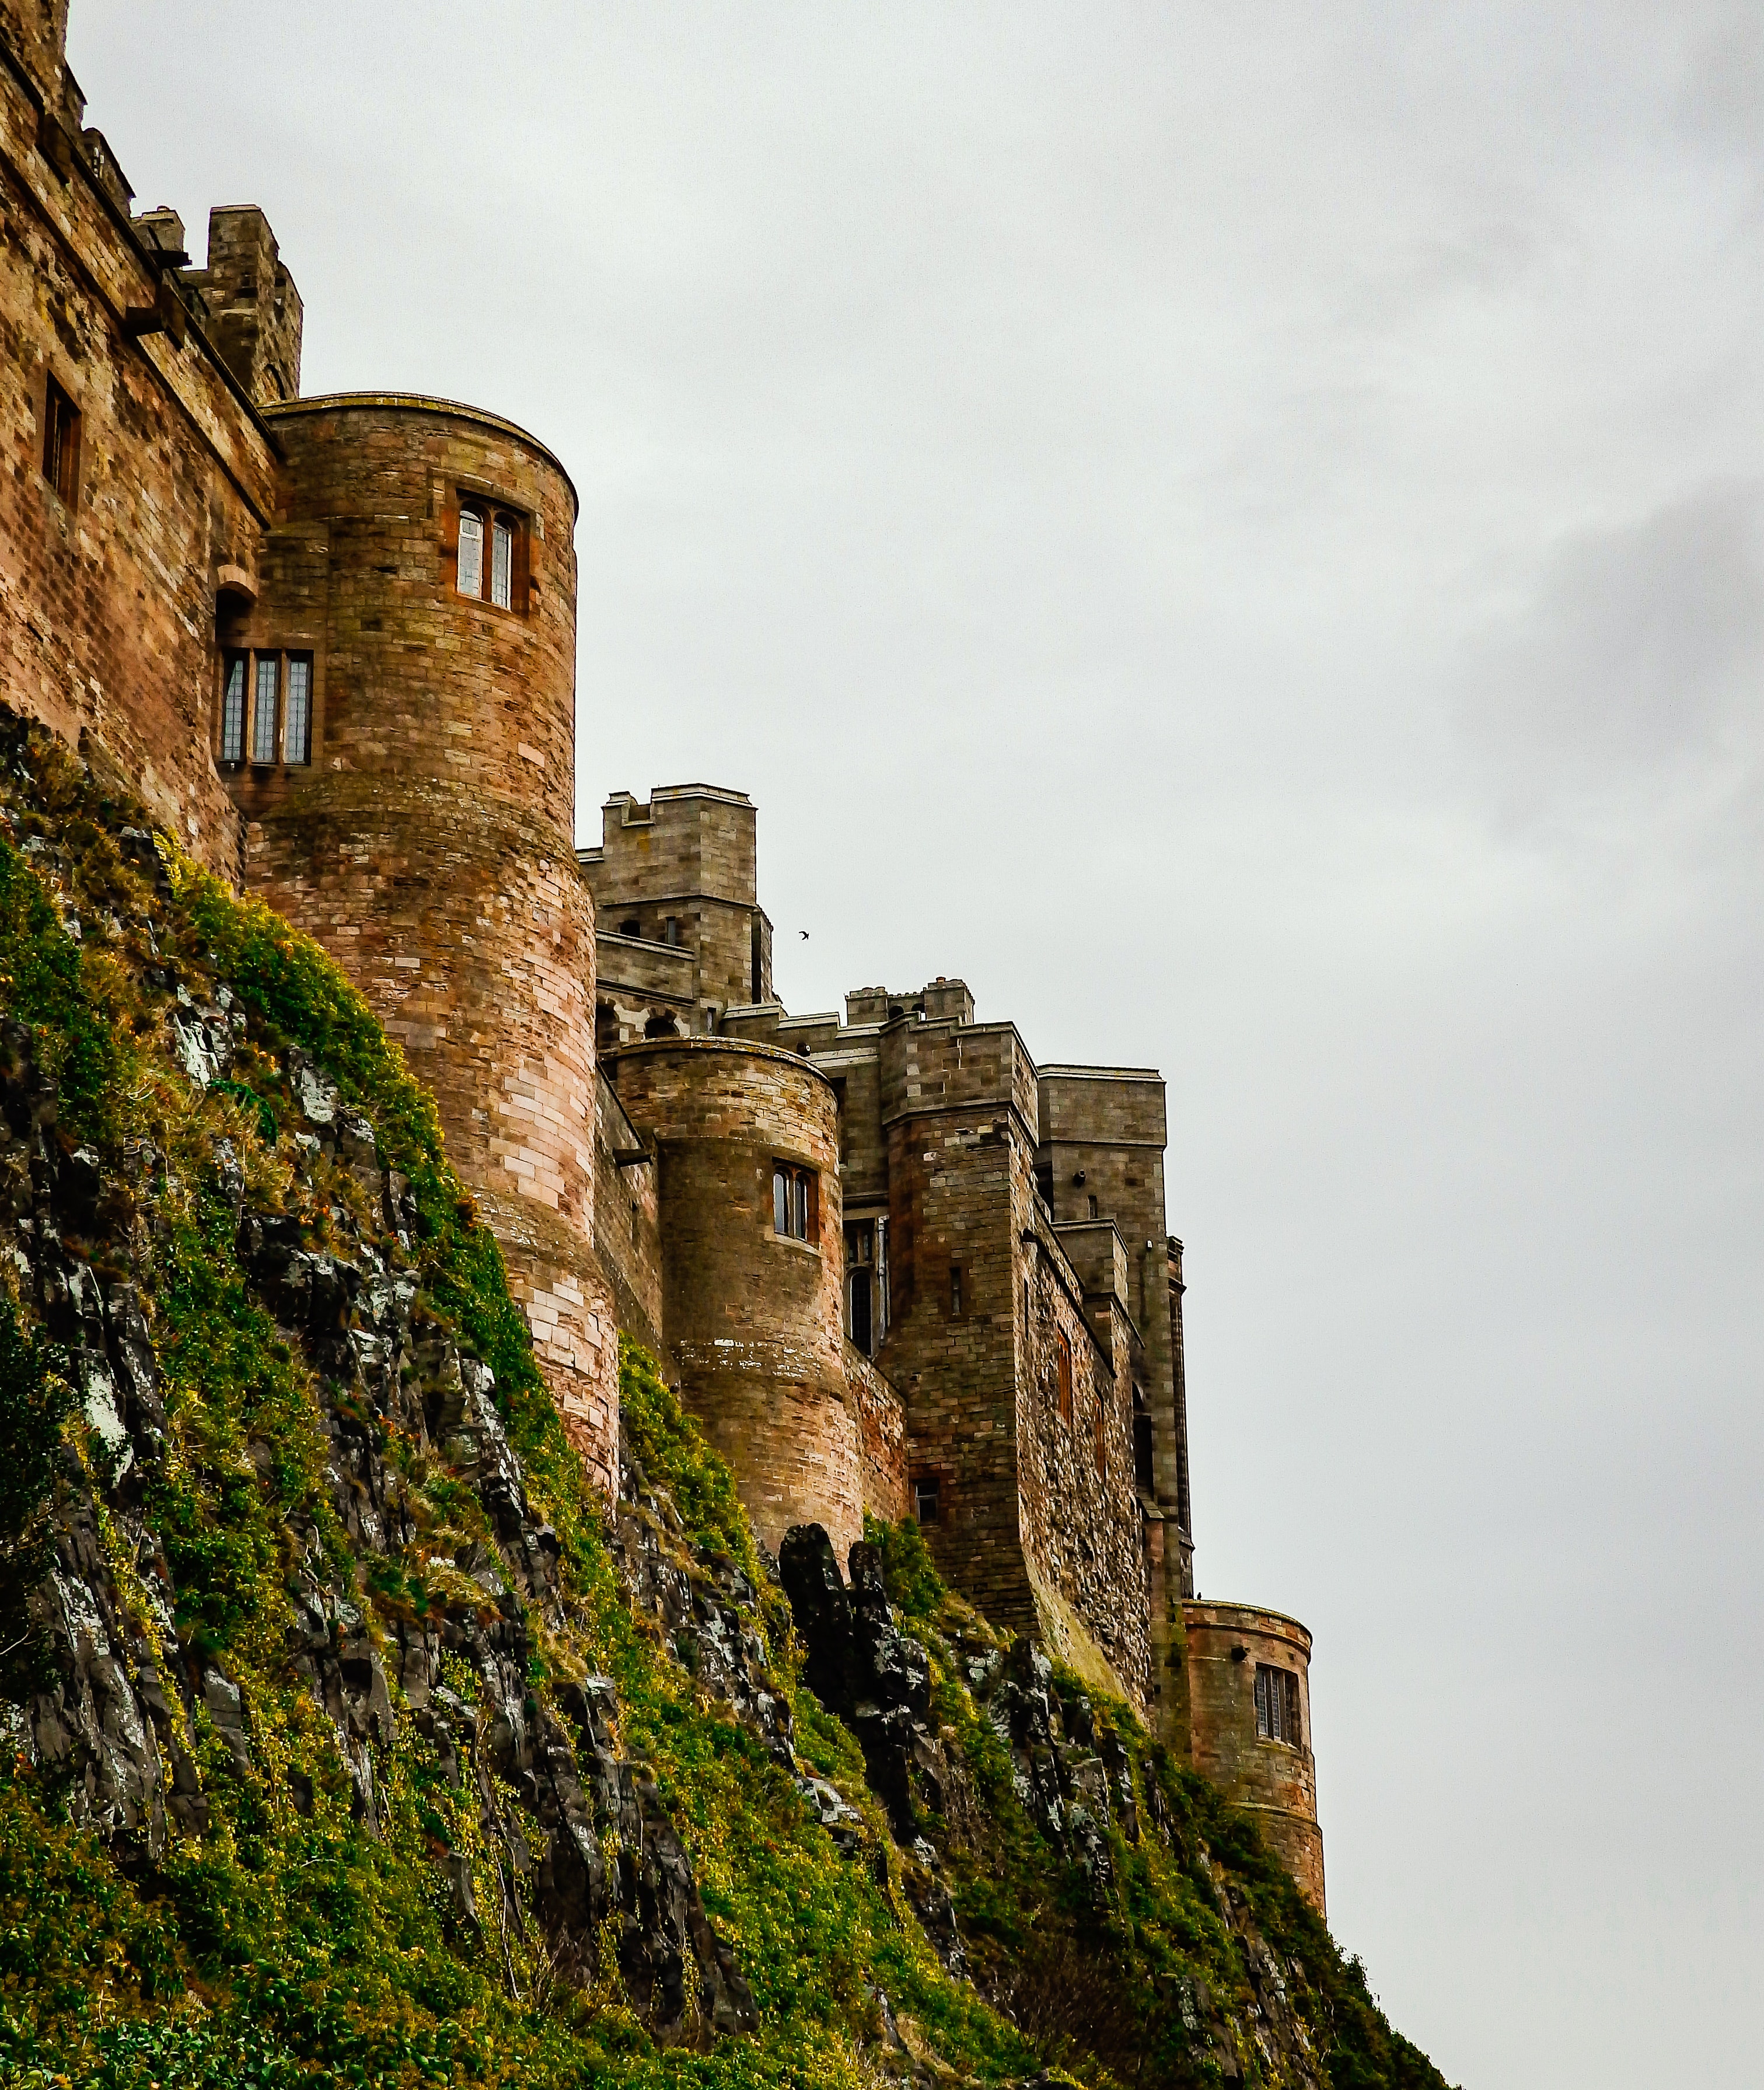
<point x="1239" y="530"/>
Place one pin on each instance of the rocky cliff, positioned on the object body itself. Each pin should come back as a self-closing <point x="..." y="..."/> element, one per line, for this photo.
<point x="346" y="1736"/>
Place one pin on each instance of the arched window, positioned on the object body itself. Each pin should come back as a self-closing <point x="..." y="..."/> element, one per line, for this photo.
<point x="502" y="561"/>
<point x="471" y="553"/>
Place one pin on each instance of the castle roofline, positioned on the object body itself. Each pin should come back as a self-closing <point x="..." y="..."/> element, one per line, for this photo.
<point x="740" y="1048"/>
<point x="419" y="403"/>
<point x="1195" y="1610"/>
<point x="1099" y="1073"/>
<point x="722" y="793"/>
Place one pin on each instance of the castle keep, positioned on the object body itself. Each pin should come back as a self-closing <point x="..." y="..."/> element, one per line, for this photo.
<point x="894" y="1265"/>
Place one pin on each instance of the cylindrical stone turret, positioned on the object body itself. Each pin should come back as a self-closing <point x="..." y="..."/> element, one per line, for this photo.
<point x="752" y="1268"/>
<point x="1249" y="1681"/>
<point x="410" y="803"/>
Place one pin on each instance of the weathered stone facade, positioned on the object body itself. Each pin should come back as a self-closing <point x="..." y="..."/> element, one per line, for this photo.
<point x="422" y="834"/>
<point x="750" y="1315"/>
<point x="331" y="644"/>
<point x="111" y="563"/>
<point x="1259" y="1753"/>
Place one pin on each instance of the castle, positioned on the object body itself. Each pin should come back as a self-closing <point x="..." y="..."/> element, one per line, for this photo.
<point x="894" y="1265"/>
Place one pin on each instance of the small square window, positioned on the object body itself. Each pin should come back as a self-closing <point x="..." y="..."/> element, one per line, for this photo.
<point x="925" y="1503"/>
<point x="61" y="442"/>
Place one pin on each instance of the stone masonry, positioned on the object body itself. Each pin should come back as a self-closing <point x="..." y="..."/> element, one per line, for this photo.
<point x="331" y="643"/>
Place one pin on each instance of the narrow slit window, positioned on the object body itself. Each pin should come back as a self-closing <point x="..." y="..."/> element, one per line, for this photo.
<point x="863" y="1333"/>
<point x="471" y="553"/>
<point x="955" y="1290"/>
<point x="265" y="724"/>
<point x="1143" y="1467"/>
<point x="502" y="563"/>
<point x="298" y="734"/>
<point x="233" y="711"/>
<point x="61" y="442"/>
<point x="1063" y="1365"/>
<point x="1102" y="1434"/>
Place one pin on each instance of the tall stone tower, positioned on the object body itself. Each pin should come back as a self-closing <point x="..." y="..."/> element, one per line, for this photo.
<point x="396" y="721"/>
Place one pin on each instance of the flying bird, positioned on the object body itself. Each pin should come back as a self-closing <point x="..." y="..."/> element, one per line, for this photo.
<point x="803" y="934"/>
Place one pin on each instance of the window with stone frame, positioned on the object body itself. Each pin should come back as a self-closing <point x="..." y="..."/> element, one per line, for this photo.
<point x="1143" y="1468"/>
<point x="61" y="441"/>
<point x="1100" y="1429"/>
<point x="795" y="1199"/>
<point x="926" y="1506"/>
<point x="1062" y="1354"/>
<point x="866" y="1290"/>
<point x="1276" y="1704"/>
<point x="266" y="709"/>
<point x="491" y="561"/>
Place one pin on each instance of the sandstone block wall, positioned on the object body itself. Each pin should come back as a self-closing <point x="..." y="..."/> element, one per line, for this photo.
<point x="627" y="1221"/>
<point x="1275" y="1781"/>
<point x="108" y="598"/>
<point x="958" y="1181"/>
<point x="686" y="856"/>
<point x="751" y="1317"/>
<point x="881" y="1417"/>
<point x="427" y="843"/>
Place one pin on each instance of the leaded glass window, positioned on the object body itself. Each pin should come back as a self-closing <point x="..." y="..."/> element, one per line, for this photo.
<point x="298" y="734"/>
<point x="264" y="724"/>
<point x="471" y="553"/>
<point x="233" y="711"/>
<point x="502" y="563"/>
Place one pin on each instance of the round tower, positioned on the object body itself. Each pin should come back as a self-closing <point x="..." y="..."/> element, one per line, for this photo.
<point x="1249" y="1683"/>
<point x="397" y="717"/>
<point x="752" y="1266"/>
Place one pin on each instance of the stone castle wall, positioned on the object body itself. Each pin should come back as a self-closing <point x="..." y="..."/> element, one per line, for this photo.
<point x="1273" y="1780"/>
<point x="881" y="1420"/>
<point x="109" y="587"/>
<point x="627" y="1221"/>
<point x="751" y="1317"/>
<point x="199" y="512"/>
<point x="426" y="843"/>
